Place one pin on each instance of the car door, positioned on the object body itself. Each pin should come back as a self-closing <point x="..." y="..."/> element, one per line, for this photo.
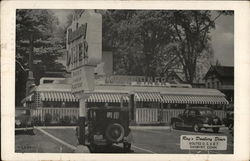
<point x="184" y="118"/>
<point x="191" y="117"/>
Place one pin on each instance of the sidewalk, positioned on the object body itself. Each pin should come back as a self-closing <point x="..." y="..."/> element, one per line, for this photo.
<point x="132" y="127"/>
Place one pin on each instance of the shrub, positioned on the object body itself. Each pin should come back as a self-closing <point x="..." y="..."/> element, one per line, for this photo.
<point x="47" y="118"/>
<point x="36" y="121"/>
<point x="65" y="120"/>
<point x="74" y="120"/>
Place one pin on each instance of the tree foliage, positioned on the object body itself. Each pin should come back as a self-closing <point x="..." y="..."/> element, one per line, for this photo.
<point x="152" y="42"/>
<point x="37" y="38"/>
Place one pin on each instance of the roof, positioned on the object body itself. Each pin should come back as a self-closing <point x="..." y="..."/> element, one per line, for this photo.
<point x="134" y="89"/>
<point x="200" y="108"/>
<point x="222" y="71"/>
<point x="163" y="90"/>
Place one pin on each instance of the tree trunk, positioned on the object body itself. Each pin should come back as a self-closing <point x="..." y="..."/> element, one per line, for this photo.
<point x="31" y="47"/>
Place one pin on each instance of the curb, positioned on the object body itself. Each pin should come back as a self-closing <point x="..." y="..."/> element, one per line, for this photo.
<point x="150" y="127"/>
<point x="132" y="127"/>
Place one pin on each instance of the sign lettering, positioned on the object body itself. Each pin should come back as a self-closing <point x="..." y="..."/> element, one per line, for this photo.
<point x="136" y="80"/>
<point x="202" y="142"/>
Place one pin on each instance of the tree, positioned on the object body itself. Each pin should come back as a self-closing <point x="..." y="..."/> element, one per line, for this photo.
<point x="140" y="38"/>
<point x="152" y="42"/>
<point x="35" y="40"/>
<point x="192" y="29"/>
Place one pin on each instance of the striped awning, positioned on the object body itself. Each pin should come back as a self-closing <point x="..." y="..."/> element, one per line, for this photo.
<point x="58" y="96"/>
<point x="192" y="99"/>
<point x="148" y="97"/>
<point x="108" y="97"/>
<point x="29" y="98"/>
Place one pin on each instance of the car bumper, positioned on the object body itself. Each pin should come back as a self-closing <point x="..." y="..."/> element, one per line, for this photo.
<point x="24" y="128"/>
<point x="211" y="126"/>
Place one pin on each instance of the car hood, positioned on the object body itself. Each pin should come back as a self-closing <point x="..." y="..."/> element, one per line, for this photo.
<point x="210" y="116"/>
<point x="23" y="119"/>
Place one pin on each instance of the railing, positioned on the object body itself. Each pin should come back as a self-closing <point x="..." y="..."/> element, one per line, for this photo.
<point x="152" y="115"/>
<point x="147" y="116"/>
<point x="167" y="114"/>
<point x="143" y="115"/>
<point x="56" y="113"/>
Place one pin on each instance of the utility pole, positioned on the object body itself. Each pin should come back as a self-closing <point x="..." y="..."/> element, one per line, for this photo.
<point x="30" y="81"/>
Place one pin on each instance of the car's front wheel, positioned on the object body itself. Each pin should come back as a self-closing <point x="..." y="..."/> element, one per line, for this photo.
<point x="196" y="128"/>
<point x="126" y="146"/>
<point x="216" y="129"/>
<point x="174" y="125"/>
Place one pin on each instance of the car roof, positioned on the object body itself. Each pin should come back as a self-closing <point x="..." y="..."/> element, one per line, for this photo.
<point x="199" y="108"/>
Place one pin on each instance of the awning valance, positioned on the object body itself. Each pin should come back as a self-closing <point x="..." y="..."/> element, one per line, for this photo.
<point x="29" y="98"/>
<point x="108" y="97"/>
<point x="192" y="99"/>
<point x="58" y="96"/>
<point x="148" y="97"/>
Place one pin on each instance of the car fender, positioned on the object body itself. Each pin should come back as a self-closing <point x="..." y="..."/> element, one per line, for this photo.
<point x="176" y="119"/>
<point x="129" y="138"/>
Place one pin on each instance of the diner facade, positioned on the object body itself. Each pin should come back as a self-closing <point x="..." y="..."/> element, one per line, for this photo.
<point x="149" y="103"/>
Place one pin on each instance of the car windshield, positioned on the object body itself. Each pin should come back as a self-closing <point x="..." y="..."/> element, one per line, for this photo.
<point x="206" y="112"/>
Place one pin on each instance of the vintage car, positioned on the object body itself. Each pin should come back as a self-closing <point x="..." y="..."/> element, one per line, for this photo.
<point x="229" y="120"/>
<point x="23" y="121"/>
<point x="106" y="126"/>
<point x="197" y="118"/>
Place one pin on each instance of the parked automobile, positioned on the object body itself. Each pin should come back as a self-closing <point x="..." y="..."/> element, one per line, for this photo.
<point x="229" y="120"/>
<point x="106" y="126"/>
<point x="23" y="121"/>
<point x="197" y="118"/>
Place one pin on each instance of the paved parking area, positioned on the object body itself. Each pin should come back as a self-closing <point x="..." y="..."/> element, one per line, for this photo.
<point x="145" y="140"/>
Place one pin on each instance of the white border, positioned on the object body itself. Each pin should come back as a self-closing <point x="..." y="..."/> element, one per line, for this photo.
<point x="242" y="76"/>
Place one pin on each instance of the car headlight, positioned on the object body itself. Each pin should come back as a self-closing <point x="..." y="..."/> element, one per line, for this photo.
<point x="18" y="122"/>
<point x="206" y="120"/>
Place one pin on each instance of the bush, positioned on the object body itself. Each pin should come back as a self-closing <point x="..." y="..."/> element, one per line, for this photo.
<point x="36" y="121"/>
<point x="74" y="120"/>
<point x="65" y="120"/>
<point x="47" y="118"/>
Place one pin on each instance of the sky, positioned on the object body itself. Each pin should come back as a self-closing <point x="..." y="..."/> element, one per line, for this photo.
<point x="222" y="37"/>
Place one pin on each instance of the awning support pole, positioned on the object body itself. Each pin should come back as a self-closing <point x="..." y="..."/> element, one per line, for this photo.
<point x="82" y="119"/>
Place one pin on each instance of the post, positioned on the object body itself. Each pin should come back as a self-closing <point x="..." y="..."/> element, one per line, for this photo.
<point x="87" y="39"/>
<point x="82" y="119"/>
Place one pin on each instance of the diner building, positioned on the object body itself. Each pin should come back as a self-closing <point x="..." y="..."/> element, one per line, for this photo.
<point x="149" y="101"/>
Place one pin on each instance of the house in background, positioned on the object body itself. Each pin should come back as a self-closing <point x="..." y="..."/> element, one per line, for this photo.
<point x="221" y="78"/>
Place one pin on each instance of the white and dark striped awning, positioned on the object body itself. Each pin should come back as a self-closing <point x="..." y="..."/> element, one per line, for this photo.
<point x="148" y="97"/>
<point x="192" y="99"/>
<point x="107" y="97"/>
<point x="58" y="96"/>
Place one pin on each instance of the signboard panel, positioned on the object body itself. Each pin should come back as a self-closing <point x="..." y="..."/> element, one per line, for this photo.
<point x="203" y="142"/>
<point x="82" y="79"/>
<point x="84" y="40"/>
<point x="84" y="49"/>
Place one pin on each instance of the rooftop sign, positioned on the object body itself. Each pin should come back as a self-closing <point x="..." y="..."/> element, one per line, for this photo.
<point x="84" y="49"/>
<point x="84" y="40"/>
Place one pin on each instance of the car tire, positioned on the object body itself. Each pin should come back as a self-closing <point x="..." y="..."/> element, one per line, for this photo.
<point x="196" y="128"/>
<point x="216" y="129"/>
<point x="230" y="126"/>
<point x="126" y="147"/>
<point x="174" y="125"/>
<point x="93" y="148"/>
<point x="118" y="126"/>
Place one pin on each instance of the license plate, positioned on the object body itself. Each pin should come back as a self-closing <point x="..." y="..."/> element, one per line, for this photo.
<point x="98" y="137"/>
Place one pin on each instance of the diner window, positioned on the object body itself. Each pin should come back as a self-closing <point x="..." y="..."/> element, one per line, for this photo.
<point x="191" y="113"/>
<point x="80" y="52"/>
<point x="218" y="84"/>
